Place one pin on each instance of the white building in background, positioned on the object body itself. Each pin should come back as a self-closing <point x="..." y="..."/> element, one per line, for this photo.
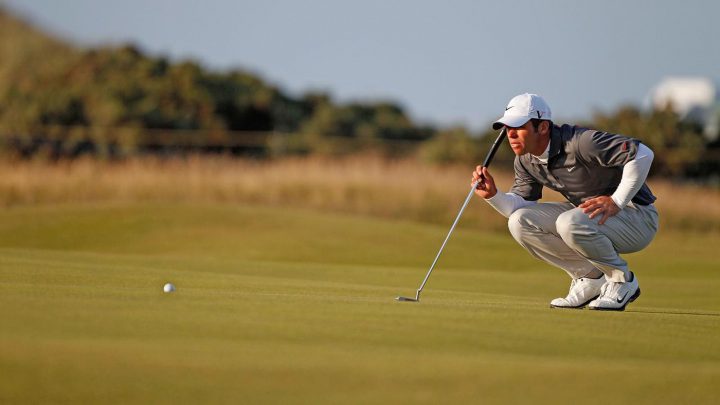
<point x="695" y="99"/>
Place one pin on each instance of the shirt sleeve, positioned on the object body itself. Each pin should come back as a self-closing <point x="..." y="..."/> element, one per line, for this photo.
<point x="633" y="177"/>
<point x="606" y="149"/>
<point x="525" y="185"/>
<point x="507" y="203"/>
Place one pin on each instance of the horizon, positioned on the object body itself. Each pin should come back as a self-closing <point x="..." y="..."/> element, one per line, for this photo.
<point x="432" y="60"/>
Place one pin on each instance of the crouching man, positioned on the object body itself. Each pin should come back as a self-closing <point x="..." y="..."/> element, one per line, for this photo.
<point x="609" y="208"/>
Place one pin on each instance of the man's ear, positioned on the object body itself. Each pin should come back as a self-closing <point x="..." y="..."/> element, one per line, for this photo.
<point x="544" y="126"/>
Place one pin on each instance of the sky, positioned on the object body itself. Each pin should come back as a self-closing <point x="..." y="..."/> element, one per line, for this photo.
<point x="452" y="62"/>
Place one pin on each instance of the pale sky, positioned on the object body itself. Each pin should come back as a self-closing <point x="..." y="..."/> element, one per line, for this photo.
<point x="447" y="62"/>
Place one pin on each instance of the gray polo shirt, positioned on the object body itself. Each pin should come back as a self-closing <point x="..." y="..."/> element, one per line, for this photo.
<point x="582" y="163"/>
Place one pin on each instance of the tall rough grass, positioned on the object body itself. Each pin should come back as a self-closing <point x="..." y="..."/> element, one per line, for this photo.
<point x="361" y="185"/>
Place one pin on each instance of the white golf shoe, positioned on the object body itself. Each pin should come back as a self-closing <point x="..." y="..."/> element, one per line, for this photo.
<point x="582" y="291"/>
<point x="616" y="296"/>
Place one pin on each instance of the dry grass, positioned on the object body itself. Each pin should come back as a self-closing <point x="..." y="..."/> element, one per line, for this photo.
<point x="361" y="185"/>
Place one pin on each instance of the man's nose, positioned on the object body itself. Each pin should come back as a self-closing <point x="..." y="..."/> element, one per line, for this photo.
<point x="511" y="132"/>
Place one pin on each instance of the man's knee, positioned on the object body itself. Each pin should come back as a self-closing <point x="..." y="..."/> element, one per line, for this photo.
<point x="573" y="225"/>
<point x="518" y="222"/>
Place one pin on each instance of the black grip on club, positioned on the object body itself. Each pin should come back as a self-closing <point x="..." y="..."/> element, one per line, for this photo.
<point x="494" y="147"/>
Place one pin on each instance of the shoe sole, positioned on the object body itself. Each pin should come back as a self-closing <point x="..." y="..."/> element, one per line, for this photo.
<point x="581" y="306"/>
<point x="633" y="298"/>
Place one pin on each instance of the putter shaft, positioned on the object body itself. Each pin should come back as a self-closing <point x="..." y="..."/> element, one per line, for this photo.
<point x="486" y="163"/>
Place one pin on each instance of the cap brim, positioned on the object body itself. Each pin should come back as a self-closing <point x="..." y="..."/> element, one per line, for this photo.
<point x="511" y="121"/>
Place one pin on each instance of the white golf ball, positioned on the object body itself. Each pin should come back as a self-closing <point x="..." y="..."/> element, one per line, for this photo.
<point x="169" y="287"/>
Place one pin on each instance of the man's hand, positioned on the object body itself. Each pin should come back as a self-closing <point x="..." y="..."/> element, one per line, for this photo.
<point x="600" y="205"/>
<point x="486" y="187"/>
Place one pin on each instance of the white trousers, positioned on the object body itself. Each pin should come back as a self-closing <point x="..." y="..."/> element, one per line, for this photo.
<point x="566" y="237"/>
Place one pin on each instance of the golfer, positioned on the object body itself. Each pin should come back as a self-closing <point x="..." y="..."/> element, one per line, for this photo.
<point x="609" y="210"/>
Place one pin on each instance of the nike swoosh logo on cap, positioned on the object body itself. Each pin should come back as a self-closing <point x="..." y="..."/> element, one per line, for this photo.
<point x="509" y="107"/>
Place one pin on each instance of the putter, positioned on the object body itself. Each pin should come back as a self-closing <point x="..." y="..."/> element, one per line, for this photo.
<point x="486" y="163"/>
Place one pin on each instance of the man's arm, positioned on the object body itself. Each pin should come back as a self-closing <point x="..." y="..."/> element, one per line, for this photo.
<point x="507" y="203"/>
<point x="504" y="203"/>
<point x="633" y="177"/>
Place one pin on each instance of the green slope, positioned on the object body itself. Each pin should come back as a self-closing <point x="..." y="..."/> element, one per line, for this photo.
<point x="293" y="306"/>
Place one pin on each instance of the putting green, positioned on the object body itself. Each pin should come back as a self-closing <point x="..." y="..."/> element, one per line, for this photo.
<point x="289" y="306"/>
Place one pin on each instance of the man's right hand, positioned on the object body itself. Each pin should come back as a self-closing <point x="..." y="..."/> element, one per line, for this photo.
<point x="486" y="187"/>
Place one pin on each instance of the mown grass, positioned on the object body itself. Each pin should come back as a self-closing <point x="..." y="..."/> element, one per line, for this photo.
<point x="292" y="305"/>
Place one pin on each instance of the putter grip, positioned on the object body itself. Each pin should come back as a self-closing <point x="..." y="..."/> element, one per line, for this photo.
<point x="494" y="148"/>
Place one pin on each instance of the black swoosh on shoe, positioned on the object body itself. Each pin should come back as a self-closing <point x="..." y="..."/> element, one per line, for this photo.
<point x="632" y="298"/>
<point x="620" y="300"/>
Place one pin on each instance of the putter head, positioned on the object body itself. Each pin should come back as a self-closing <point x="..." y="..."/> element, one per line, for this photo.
<point x="408" y="299"/>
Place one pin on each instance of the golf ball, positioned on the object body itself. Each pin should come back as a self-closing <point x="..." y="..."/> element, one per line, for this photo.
<point x="169" y="287"/>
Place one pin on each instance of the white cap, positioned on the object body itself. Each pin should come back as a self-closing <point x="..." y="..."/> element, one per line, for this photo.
<point x="522" y="109"/>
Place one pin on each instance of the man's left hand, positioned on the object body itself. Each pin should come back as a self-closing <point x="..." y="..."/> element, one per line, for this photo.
<point x="600" y="205"/>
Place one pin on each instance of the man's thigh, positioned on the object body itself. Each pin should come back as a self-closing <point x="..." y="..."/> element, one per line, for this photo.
<point x="542" y="215"/>
<point x="632" y="229"/>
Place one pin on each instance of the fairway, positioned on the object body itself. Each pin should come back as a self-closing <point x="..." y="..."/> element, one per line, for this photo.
<point x="277" y="305"/>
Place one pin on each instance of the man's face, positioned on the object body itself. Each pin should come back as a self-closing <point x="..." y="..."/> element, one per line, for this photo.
<point x="526" y="139"/>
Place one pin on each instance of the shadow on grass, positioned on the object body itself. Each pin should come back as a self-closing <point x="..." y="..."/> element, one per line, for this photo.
<point x="673" y="312"/>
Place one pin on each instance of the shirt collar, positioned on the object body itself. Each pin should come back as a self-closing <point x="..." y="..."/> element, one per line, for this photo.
<point x="555" y="142"/>
<point x="543" y="158"/>
<point x="552" y="149"/>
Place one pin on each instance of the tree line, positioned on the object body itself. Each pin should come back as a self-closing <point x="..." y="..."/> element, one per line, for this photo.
<point x="114" y="101"/>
